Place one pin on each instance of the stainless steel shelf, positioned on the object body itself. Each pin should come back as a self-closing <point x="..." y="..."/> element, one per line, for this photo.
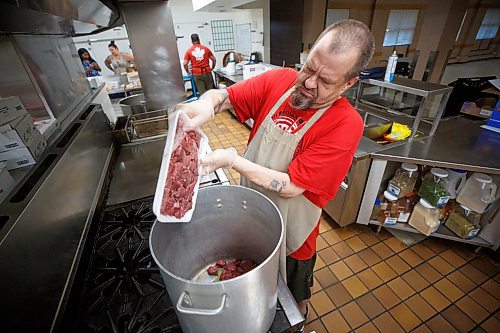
<point x="442" y="232"/>
<point x="466" y="147"/>
<point x="412" y="87"/>
<point x="377" y="100"/>
<point x="419" y="88"/>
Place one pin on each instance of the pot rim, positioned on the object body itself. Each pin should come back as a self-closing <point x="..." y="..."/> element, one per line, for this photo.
<point x="277" y="248"/>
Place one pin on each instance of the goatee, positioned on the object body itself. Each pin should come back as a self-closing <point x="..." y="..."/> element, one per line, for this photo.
<point x="299" y="101"/>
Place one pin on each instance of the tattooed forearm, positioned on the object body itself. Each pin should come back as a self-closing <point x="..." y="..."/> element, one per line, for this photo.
<point x="222" y="98"/>
<point x="277" y="186"/>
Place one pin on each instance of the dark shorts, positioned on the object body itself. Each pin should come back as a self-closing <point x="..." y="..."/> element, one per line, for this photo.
<point x="299" y="274"/>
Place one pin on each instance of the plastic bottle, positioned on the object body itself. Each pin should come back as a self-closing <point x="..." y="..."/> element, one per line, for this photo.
<point x="391" y="67"/>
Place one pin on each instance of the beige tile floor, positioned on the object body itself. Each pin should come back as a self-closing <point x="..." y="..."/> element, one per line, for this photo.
<point x="369" y="282"/>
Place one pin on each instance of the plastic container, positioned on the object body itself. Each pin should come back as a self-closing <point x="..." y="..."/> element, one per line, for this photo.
<point x="376" y="210"/>
<point x="162" y="178"/>
<point x="464" y="222"/>
<point x="391" y="213"/>
<point x="446" y="210"/>
<point x="404" y="180"/>
<point x="479" y="191"/>
<point x="433" y="188"/>
<point x="391" y="67"/>
<point x="425" y="217"/>
<point x="456" y="181"/>
<point x="405" y="207"/>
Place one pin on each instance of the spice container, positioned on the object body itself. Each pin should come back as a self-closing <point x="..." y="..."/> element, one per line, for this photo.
<point x="405" y="207"/>
<point x="446" y="210"/>
<point x="376" y="210"/>
<point x="404" y="180"/>
<point x="425" y="217"/>
<point x="479" y="191"/>
<point x="390" y="215"/>
<point x="456" y="182"/>
<point x="464" y="222"/>
<point x="433" y="188"/>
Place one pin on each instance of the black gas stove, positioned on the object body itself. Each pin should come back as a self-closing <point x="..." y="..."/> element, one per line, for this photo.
<point x="123" y="291"/>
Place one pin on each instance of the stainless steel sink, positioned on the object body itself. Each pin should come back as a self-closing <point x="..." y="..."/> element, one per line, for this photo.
<point x="375" y="126"/>
<point x="371" y="120"/>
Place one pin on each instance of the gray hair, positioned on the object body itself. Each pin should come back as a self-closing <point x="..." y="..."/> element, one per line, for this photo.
<point x="346" y="34"/>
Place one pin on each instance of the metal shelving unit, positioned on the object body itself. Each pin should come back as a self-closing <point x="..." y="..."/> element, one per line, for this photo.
<point x="441" y="151"/>
<point x="407" y="86"/>
<point x="442" y="232"/>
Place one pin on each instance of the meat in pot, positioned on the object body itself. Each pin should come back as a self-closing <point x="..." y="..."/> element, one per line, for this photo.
<point x="229" y="270"/>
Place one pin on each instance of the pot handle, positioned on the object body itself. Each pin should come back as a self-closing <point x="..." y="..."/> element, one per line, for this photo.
<point x="203" y="312"/>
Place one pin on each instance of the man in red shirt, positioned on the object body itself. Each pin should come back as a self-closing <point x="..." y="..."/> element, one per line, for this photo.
<point x="304" y="137"/>
<point x="199" y="56"/>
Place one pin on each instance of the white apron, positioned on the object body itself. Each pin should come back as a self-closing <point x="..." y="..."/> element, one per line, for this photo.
<point x="273" y="148"/>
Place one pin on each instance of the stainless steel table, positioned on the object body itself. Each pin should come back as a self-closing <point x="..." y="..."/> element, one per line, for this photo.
<point x="230" y="79"/>
<point x="467" y="147"/>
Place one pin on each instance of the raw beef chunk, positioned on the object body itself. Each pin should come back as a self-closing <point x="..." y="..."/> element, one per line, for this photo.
<point x="232" y="269"/>
<point x="182" y="174"/>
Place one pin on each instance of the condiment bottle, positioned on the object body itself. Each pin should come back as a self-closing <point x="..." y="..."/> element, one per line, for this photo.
<point x="433" y="188"/>
<point x="425" y="217"/>
<point x="404" y="180"/>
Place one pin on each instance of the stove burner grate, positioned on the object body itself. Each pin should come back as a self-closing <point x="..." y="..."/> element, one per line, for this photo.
<point x="124" y="292"/>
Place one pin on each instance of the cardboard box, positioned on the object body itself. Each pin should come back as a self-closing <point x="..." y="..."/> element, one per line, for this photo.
<point x="7" y="183"/>
<point x="10" y="140"/>
<point x="21" y="132"/>
<point x="254" y="70"/>
<point x="24" y="126"/>
<point x="482" y="107"/>
<point x="47" y="127"/>
<point x="37" y="146"/>
<point x="17" y="158"/>
<point x="10" y="109"/>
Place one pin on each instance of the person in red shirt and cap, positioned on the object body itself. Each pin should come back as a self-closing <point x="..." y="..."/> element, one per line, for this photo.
<point x="303" y="140"/>
<point x="199" y="56"/>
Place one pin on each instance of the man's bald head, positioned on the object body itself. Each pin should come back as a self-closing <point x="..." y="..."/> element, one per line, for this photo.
<point x="348" y="34"/>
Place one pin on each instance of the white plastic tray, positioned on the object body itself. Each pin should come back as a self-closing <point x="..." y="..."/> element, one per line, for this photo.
<point x="162" y="178"/>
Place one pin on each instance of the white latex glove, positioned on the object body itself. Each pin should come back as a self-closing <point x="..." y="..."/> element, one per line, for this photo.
<point x="220" y="158"/>
<point x="199" y="113"/>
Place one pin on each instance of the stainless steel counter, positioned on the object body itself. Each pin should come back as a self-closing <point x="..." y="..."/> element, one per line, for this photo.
<point x="136" y="172"/>
<point x="236" y="77"/>
<point x="467" y="146"/>
<point x="47" y="219"/>
<point x="233" y="78"/>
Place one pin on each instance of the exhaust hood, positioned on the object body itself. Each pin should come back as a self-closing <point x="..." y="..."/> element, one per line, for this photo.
<point x="63" y="17"/>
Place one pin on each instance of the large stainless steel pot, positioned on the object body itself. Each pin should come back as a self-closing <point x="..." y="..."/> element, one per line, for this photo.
<point x="134" y="104"/>
<point x="229" y="221"/>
